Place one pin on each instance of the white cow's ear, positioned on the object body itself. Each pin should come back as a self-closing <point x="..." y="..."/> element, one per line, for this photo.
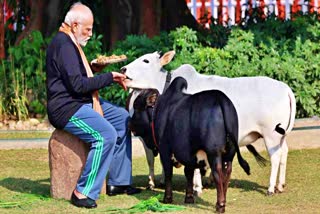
<point x="167" y="57"/>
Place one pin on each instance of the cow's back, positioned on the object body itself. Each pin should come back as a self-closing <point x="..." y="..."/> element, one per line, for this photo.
<point x="194" y="122"/>
<point x="261" y="102"/>
<point x="213" y="117"/>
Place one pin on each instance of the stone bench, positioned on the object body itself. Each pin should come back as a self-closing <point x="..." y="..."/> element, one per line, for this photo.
<point x="67" y="156"/>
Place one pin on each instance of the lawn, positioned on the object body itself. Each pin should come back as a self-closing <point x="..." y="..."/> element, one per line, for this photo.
<point x="8" y="135"/>
<point x="25" y="184"/>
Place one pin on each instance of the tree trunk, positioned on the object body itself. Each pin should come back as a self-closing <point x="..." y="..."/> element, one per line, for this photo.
<point x="2" y="35"/>
<point x="175" y="14"/>
<point x="150" y="13"/>
<point x="52" y="17"/>
<point x="35" y="22"/>
<point x="123" y="17"/>
<point x="117" y="20"/>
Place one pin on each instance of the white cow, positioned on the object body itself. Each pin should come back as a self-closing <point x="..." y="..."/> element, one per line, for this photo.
<point x="266" y="107"/>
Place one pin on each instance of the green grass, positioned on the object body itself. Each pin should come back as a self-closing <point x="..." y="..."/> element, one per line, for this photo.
<point x="24" y="180"/>
<point x="24" y="134"/>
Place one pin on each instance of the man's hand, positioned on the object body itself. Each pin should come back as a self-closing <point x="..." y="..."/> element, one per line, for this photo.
<point x="119" y="78"/>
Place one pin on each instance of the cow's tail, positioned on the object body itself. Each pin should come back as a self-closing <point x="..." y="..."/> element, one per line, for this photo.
<point x="261" y="160"/>
<point x="292" y="101"/>
<point x="292" y="114"/>
<point x="232" y="127"/>
<point x="243" y="163"/>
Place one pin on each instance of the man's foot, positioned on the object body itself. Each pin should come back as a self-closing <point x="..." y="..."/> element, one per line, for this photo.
<point x="84" y="202"/>
<point x="116" y="190"/>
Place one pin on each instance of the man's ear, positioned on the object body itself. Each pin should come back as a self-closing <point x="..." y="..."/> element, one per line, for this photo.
<point x="74" y="26"/>
<point x="167" y="57"/>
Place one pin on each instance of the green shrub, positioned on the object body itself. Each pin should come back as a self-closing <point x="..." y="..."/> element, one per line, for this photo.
<point x="292" y="60"/>
<point x="24" y="77"/>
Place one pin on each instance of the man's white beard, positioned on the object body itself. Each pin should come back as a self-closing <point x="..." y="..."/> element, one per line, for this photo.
<point x="83" y="42"/>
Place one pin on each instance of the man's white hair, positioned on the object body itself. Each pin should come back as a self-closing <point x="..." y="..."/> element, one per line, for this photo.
<point x="75" y="15"/>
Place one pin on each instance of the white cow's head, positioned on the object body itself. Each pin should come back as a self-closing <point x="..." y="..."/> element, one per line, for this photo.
<point x="145" y="72"/>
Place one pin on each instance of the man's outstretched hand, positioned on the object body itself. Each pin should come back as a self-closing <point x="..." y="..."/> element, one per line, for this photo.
<point x="119" y="78"/>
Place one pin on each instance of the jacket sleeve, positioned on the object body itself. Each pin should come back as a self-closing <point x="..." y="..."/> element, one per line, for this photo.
<point x="70" y="65"/>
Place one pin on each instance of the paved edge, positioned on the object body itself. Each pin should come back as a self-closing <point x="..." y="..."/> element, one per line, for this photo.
<point x="299" y="139"/>
<point x="137" y="146"/>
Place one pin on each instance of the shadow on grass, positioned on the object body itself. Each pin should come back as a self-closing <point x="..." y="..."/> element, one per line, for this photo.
<point x="243" y="185"/>
<point x="247" y="186"/>
<point x="41" y="188"/>
<point x="22" y="185"/>
<point x="179" y="184"/>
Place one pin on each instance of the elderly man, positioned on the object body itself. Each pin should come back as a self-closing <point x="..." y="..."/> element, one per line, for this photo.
<point x="74" y="105"/>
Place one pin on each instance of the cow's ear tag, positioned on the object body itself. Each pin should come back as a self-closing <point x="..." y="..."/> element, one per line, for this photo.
<point x="167" y="57"/>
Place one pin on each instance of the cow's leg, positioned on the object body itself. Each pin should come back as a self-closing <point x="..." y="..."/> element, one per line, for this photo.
<point x="168" y="198"/>
<point x="150" y="161"/>
<point x="188" y="172"/>
<point x="219" y="178"/>
<point x="197" y="182"/>
<point x="227" y="175"/>
<point x="274" y="151"/>
<point x="283" y="166"/>
<point x="165" y="157"/>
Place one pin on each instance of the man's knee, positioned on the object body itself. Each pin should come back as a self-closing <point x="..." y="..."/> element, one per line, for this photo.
<point x="109" y="136"/>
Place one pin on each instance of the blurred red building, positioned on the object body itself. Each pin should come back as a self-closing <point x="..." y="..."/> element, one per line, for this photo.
<point x="231" y="12"/>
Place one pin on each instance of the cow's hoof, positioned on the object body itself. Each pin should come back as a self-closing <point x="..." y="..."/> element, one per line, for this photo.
<point x="189" y="199"/>
<point x="167" y="200"/>
<point x="220" y="208"/>
<point x="279" y="188"/>
<point x="277" y="191"/>
<point x="197" y="191"/>
<point x="270" y="193"/>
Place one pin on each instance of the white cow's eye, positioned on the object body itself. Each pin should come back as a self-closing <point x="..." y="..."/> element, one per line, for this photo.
<point x="146" y="61"/>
